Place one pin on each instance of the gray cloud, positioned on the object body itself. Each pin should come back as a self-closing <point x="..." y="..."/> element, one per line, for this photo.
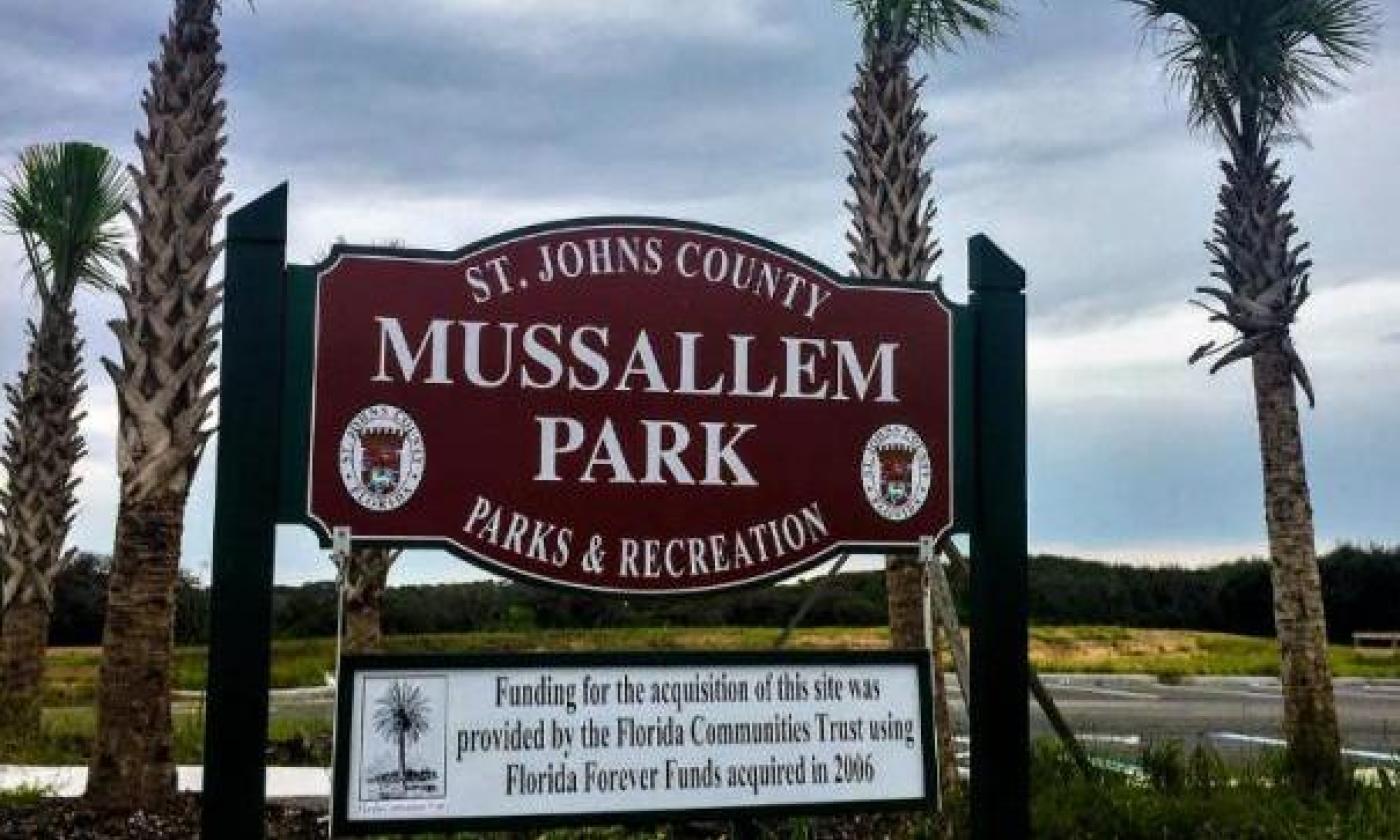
<point x="439" y="121"/>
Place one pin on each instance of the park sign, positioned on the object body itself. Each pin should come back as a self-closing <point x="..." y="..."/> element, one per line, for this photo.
<point x="627" y="405"/>
<point x="618" y="405"/>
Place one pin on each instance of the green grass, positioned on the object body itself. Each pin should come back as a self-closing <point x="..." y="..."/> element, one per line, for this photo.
<point x="1193" y="795"/>
<point x="1179" y="653"/>
<point x="1180" y="795"/>
<point x="25" y="795"/>
<point x="71" y="675"/>
<point x="66" y="734"/>
<point x="72" y="672"/>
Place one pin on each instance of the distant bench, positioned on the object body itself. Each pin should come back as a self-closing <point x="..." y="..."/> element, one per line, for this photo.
<point x="1376" y="644"/>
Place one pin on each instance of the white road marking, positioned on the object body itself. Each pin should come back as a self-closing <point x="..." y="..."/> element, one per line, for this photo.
<point x="1279" y="742"/>
<point x="1363" y="694"/>
<point x="1107" y="692"/>
<point x="1123" y="740"/>
<point x="1240" y="693"/>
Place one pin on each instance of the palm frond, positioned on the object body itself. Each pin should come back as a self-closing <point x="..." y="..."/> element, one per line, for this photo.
<point x="63" y="201"/>
<point x="1249" y="66"/>
<point x="935" y="25"/>
<point x="402" y="711"/>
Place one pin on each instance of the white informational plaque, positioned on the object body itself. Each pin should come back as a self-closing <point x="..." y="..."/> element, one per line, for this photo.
<point x="457" y="742"/>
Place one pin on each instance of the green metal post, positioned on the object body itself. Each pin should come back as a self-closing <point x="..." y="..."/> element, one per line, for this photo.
<point x="245" y="516"/>
<point x="1000" y="725"/>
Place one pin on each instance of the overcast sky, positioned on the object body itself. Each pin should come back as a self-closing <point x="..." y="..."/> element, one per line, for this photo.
<point x="437" y="122"/>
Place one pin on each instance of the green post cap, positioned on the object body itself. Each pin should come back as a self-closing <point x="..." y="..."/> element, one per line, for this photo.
<point x="990" y="269"/>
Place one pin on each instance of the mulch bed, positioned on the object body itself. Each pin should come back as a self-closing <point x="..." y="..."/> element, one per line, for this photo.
<point x="69" y="819"/>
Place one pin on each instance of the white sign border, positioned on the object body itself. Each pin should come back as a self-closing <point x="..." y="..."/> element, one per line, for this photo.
<point x="354" y="666"/>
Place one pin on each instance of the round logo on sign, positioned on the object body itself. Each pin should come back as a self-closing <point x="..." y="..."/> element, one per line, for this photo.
<point x="381" y="457"/>
<point x="896" y="472"/>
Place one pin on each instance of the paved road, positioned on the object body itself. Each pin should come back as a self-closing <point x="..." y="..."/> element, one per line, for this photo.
<point x="1115" y="715"/>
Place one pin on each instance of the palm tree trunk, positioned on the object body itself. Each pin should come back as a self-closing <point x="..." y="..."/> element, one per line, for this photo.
<point x="1309" y="706"/>
<point x="133" y="759"/>
<point x="403" y="763"/>
<point x="42" y="450"/>
<point x="167" y="343"/>
<point x="366" y="577"/>
<point x="891" y="236"/>
<point x="25" y="638"/>
<point x="904" y="582"/>
<point x="1255" y="255"/>
<point x="363" y="632"/>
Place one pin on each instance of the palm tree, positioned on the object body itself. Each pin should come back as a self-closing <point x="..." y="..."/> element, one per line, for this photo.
<point x="63" y="202"/>
<point x="1248" y="67"/>
<point x="167" y="341"/>
<point x="366" y="575"/>
<point x="401" y="715"/>
<point x="892" y="213"/>
<point x="891" y="234"/>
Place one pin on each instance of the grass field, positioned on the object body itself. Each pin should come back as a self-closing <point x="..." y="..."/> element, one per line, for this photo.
<point x="71" y="677"/>
<point x="72" y="672"/>
<point x="1179" y="653"/>
<point x="66" y="736"/>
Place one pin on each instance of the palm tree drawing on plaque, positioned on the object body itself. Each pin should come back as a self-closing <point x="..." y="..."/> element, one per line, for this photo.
<point x="403" y="716"/>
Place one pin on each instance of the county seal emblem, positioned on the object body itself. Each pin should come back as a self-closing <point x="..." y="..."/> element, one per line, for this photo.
<point x="896" y="472"/>
<point x="381" y="457"/>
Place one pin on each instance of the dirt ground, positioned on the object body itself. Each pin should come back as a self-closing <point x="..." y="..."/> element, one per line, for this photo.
<point x="67" y="819"/>
<point x="61" y="819"/>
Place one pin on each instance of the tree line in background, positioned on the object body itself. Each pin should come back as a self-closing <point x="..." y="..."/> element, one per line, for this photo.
<point x="1360" y="585"/>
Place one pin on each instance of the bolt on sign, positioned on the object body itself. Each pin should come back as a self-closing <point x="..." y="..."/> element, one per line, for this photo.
<point x="628" y="406"/>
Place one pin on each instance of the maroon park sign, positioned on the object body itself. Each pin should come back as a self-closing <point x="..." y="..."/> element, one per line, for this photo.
<point x="632" y="406"/>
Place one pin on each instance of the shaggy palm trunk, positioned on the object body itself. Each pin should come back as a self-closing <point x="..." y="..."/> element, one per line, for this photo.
<point x="891" y="236"/>
<point x="904" y="581"/>
<point x="1309" y="707"/>
<point x="366" y="577"/>
<point x="41" y="451"/>
<point x="1257" y="259"/>
<point x="166" y="341"/>
<point x="21" y="694"/>
<point x="133" y="762"/>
